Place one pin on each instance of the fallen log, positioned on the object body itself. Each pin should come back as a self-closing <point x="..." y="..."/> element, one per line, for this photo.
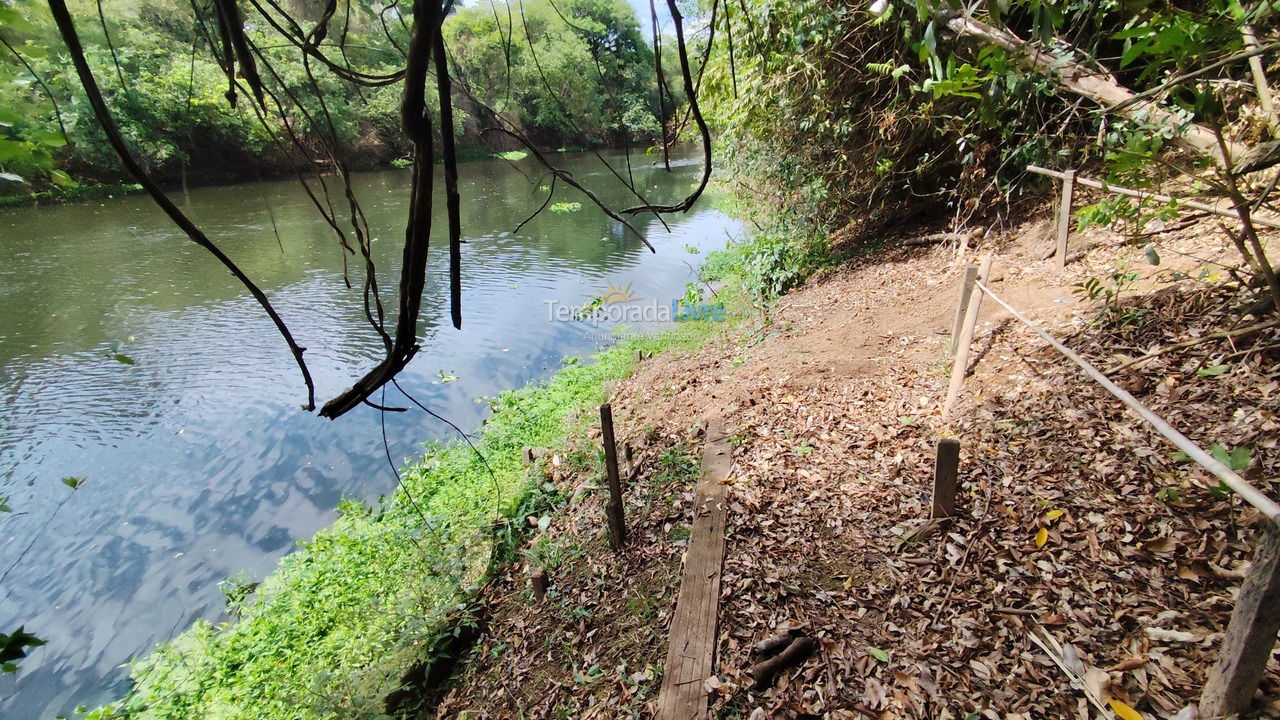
<point x="936" y="238"/>
<point x="775" y="644"/>
<point x="764" y="673"/>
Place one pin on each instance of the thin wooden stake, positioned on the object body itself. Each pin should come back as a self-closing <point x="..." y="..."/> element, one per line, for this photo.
<point x="961" y="364"/>
<point x="538" y="580"/>
<point x="628" y="457"/>
<point x="945" y="475"/>
<point x="1064" y="216"/>
<point x="966" y="292"/>
<point x="1251" y="635"/>
<point x="613" y="509"/>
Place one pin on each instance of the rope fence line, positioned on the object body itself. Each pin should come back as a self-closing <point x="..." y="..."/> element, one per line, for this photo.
<point x="1246" y="491"/>
<point x="1217" y="209"/>
<point x="1250" y="636"/>
<point x="1069" y="180"/>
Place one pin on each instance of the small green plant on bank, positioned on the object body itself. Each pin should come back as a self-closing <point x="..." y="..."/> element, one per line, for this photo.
<point x="1238" y="459"/>
<point x="1124" y="215"/>
<point x="237" y="589"/>
<point x="676" y="466"/>
<point x="1107" y="292"/>
<point x="778" y="258"/>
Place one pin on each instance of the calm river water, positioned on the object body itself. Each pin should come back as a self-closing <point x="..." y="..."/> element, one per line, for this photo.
<point x="197" y="461"/>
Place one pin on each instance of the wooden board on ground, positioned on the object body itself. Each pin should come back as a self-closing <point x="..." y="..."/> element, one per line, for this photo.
<point x="691" y="654"/>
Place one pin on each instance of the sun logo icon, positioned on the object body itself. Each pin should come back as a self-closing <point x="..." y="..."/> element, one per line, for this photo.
<point x="620" y="294"/>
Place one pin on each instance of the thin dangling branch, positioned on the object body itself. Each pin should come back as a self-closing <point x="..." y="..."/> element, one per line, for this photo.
<point x="427" y="18"/>
<point x="66" y="27"/>
<point x="657" y="65"/>
<point x="728" y="30"/>
<point x="452" y="201"/>
<point x="687" y="76"/>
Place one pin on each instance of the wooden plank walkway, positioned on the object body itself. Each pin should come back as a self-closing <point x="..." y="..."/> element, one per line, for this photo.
<point x="692" y="650"/>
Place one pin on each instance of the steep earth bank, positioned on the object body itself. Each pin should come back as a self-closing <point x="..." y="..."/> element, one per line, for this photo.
<point x="1078" y="523"/>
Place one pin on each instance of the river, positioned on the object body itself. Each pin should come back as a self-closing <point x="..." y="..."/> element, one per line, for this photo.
<point x="197" y="460"/>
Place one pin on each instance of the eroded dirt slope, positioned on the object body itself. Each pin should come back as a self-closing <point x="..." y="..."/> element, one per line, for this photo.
<point x="1077" y="522"/>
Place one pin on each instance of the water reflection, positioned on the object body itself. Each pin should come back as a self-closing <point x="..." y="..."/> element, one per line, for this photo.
<point x="198" y="461"/>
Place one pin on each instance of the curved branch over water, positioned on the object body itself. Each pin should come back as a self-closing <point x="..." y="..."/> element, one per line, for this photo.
<point x="687" y="76"/>
<point x="427" y="18"/>
<point x="67" y="28"/>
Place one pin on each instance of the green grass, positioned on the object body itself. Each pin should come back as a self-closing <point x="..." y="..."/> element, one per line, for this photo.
<point x="331" y="632"/>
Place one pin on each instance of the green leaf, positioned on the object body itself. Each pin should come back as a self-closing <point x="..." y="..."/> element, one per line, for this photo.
<point x="4" y="504"/>
<point x="50" y="138"/>
<point x="14" y="646"/>
<point x="1213" y="370"/>
<point x="1237" y="459"/>
<point x="879" y="654"/>
<point x="11" y="20"/>
<point x="73" y="482"/>
<point x="1132" y="52"/>
<point x="1133" y="32"/>
<point x="62" y="179"/>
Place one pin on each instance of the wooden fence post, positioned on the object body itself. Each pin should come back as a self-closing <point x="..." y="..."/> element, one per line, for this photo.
<point x="613" y="509"/>
<point x="1251" y="635"/>
<point x="945" y="476"/>
<point x="539" y="580"/>
<point x="1064" y="216"/>
<point x="961" y="364"/>
<point x="966" y="292"/>
<point x="629" y="460"/>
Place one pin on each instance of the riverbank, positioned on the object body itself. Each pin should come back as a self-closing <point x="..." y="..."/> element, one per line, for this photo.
<point x="198" y="464"/>
<point x="95" y="190"/>
<point x="832" y="394"/>
<point x="373" y="597"/>
<point x="1076" y="521"/>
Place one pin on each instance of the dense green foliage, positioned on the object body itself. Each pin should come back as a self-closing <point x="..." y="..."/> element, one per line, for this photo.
<point x="592" y="83"/>
<point x="845" y="114"/>
<point x="168" y="96"/>
<point x="570" y="69"/>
